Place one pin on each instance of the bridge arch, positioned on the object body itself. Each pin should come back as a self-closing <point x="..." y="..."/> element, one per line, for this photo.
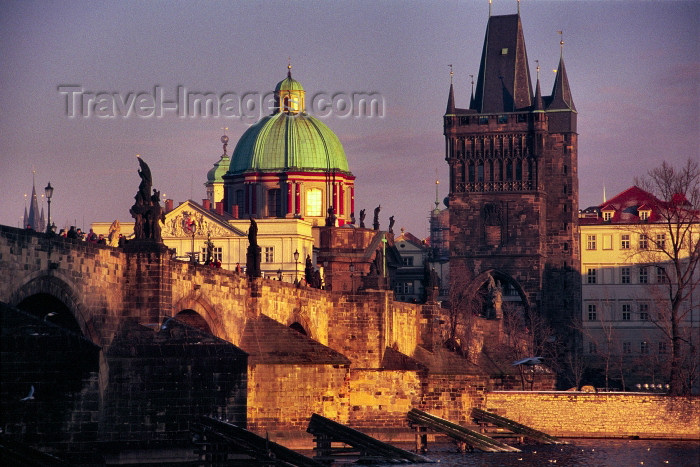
<point x="54" y="289"/>
<point x="197" y="311"/>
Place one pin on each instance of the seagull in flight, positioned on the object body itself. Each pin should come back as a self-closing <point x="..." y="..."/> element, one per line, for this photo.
<point x="30" y="396"/>
<point x="530" y="361"/>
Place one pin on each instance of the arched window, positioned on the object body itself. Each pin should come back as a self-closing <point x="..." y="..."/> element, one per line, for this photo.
<point x="509" y="171"/>
<point x="518" y="170"/>
<point x="480" y="172"/>
<point x="314" y="204"/>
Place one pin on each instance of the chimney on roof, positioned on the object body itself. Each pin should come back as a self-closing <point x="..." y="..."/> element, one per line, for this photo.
<point x="220" y="208"/>
<point x="168" y="205"/>
<point x="206" y="204"/>
<point x="234" y="211"/>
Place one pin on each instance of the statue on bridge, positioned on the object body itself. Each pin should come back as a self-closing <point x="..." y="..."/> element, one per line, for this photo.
<point x="146" y="211"/>
<point x="362" y="218"/>
<point x="253" y="254"/>
<point x="376" y="217"/>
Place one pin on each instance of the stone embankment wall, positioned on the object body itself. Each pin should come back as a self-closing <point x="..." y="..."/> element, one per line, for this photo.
<point x="601" y="415"/>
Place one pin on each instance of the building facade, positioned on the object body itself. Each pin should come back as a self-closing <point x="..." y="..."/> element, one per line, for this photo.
<point x="513" y="157"/>
<point x="626" y="278"/>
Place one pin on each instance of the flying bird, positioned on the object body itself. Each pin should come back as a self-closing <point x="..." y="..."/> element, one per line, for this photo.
<point x="530" y="361"/>
<point x="30" y="396"/>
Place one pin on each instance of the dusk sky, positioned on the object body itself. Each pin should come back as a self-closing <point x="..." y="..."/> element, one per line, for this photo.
<point x="633" y="67"/>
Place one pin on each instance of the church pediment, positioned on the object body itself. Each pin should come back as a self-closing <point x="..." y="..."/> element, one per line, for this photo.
<point x="190" y="217"/>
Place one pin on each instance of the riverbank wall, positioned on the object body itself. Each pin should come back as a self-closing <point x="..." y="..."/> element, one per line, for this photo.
<point x="600" y="415"/>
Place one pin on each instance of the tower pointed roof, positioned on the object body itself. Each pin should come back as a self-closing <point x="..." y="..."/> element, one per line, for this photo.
<point x="503" y="84"/>
<point x="34" y="219"/>
<point x="450" y="101"/>
<point x="561" y="93"/>
<point x="539" y="102"/>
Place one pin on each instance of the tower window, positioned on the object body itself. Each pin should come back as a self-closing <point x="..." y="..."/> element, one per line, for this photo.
<point x="274" y="203"/>
<point x="240" y="202"/>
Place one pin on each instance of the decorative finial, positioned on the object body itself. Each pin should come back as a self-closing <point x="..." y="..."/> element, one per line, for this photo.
<point x="138" y="155"/>
<point x="289" y="67"/>
<point x="561" y="41"/>
<point x="489" y="8"/>
<point x="538" y="69"/>
<point x="472" y="79"/>
<point x="518" y="7"/>
<point x="452" y="73"/>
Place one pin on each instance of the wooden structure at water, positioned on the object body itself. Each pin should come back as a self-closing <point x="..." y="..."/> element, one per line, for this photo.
<point x="486" y="419"/>
<point x="423" y="421"/>
<point x="354" y="444"/>
<point x="222" y="443"/>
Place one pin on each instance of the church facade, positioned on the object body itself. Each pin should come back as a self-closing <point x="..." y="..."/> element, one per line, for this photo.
<point x="513" y="192"/>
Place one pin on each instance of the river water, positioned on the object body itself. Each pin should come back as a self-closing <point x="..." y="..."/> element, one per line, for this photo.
<point x="579" y="452"/>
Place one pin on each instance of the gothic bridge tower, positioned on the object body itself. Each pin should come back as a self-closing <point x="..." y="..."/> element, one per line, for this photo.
<point x="513" y="179"/>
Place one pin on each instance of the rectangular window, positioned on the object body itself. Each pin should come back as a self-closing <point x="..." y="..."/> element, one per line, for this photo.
<point x="643" y="215"/>
<point x="626" y="312"/>
<point x="404" y="288"/>
<point x="217" y="253"/>
<point x="591" y="276"/>
<point x="644" y="312"/>
<point x="625" y="275"/>
<point x="644" y="347"/>
<point x="643" y="242"/>
<point x="643" y="275"/>
<point x="607" y="215"/>
<point x="592" y="348"/>
<point x="240" y="202"/>
<point x="662" y="347"/>
<point x="314" y="202"/>
<point x="660" y="241"/>
<point x="269" y="254"/>
<point x="625" y="242"/>
<point x="626" y="347"/>
<point x="592" y="313"/>
<point x="660" y="275"/>
<point x="590" y="242"/>
<point x="407" y="260"/>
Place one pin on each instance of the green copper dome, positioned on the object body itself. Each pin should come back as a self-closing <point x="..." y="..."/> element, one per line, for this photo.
<point x="217" y="172"/>
<point x="285" y="141"/>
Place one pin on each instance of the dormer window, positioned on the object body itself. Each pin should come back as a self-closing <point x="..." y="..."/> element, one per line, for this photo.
<point x="607" y="215"/>
<point x="644" y="215"/>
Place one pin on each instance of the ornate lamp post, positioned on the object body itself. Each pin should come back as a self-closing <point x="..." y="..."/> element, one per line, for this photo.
<point x="48" y="191"/>
<point x="296" y="266"/>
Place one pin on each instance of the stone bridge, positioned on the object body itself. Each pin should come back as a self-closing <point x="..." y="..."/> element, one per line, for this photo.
<point x="138" y="344"/>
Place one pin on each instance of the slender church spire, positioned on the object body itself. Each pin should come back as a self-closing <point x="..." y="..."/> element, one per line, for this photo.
<point x="539" y="102"/>
<point x="34" y="219"/>
<point x="451" y="98"/>
<point x="561" y="93"/>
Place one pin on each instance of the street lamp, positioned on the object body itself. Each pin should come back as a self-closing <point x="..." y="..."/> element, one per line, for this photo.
<point x="48" y="191"/>
<point x="296" y="266"/>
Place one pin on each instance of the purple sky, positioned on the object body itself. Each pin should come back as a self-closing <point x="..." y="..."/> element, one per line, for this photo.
<point x="633" y="67"/>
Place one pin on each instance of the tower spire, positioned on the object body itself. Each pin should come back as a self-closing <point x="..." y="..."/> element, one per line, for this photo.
<point x="539" y="102"/>
<point x="451" y="98"/>
<point x="561" y="93"/>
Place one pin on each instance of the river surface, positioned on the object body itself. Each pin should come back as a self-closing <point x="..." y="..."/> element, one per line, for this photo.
<point x="579" y="452"/>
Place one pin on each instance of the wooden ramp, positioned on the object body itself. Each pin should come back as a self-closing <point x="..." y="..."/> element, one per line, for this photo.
<point x="222" y="443"/>
<point x="482" y="416"/>
<point x="354" y="444"/>
<point x="422" y="420"/>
